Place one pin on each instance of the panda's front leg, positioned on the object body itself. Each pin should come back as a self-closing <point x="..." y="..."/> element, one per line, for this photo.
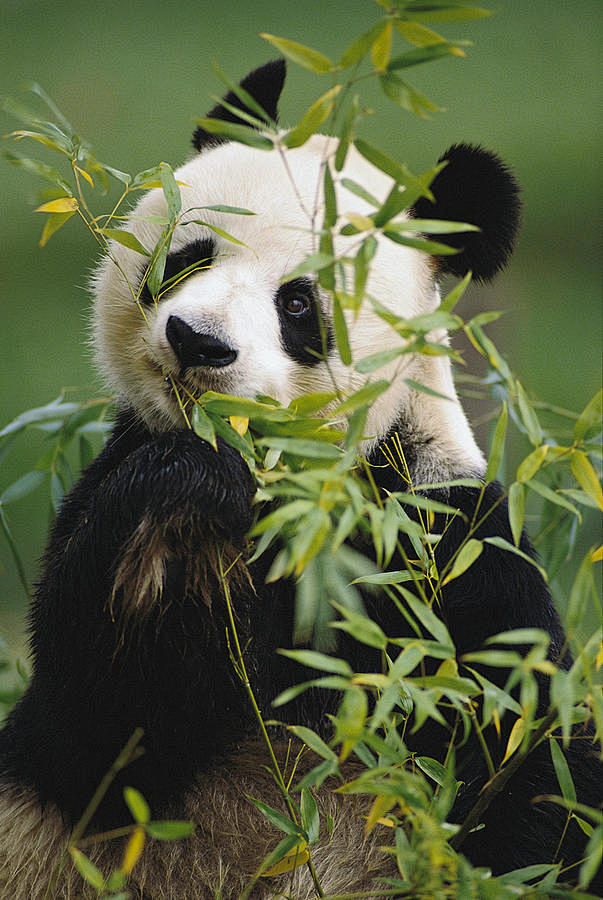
<point x="130" y="625"/>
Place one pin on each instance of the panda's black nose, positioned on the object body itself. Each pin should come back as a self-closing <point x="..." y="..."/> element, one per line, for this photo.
<point x="196" y="349"/>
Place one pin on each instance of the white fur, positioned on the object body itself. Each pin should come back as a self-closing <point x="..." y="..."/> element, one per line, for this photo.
<point x="234" y="299"/>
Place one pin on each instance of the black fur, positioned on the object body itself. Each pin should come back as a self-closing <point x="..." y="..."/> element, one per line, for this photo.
<point x="265" y="85"/>
<point x="475" y="187"/>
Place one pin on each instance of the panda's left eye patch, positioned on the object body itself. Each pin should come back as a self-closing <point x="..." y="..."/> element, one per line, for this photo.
<point x="193" y="257"/>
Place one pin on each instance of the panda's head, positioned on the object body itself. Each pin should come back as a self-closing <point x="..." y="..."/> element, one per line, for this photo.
<point x="234" y="325"/>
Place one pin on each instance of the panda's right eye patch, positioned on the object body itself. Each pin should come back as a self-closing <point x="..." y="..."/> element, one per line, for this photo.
<point x="193" y="257"/>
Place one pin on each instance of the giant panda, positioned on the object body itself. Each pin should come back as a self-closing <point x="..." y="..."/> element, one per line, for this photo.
<point x="128" y="626"/>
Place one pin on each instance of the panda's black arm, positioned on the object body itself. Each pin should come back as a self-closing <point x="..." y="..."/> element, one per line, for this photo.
<point x="107" y="661"/>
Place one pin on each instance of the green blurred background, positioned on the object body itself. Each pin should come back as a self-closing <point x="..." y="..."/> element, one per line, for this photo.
<point x="130" y="77"/>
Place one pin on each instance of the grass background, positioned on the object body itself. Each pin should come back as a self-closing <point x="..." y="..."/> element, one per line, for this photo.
<point x="131" y="76"/>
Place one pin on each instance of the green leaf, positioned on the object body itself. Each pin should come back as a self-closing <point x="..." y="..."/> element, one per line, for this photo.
<point x="361" y="45"/>
<point x="516" y="510"/>
<point x="242" y="134"/>
<point x="428" y="618"/>
<point x="502" y="544"/>
<point x="593" y="855"/>
<point x="87" y="869"/>
<point x="406" y="96"/>
<point x="312" y="119"/>
<point x="449" y="12"/>
<point x="382" y="47"/>
<point x="424" y="54"/>
<point x="310" y="265"/>
<point x="282" y="822"/>
<point x="203" y="427"/>
<point x="498" y="446"/>
<point x="553" y="496"/>
<point x="313" y="741"/>
<point x="378" y="360"/>
<point x="53" y="223"/>
<point x="137" y="805"/>
<point x="530" y="465"/>
<point x="346" y="134"/>
<point x="300" y="54"/>
<point x="301" y="447"/>
<point x="219" y="231"/>
<point x="42" y="170"/>
<point x="562" y="771"/>
<point x="170" y="831"/>
<point x="170" y="190"/>
<point x="363" y="397"/>
<point x="589" y="423"/>
<point x="341" y="333"/>
<point x="395" y="170"/>
<point x="124" y="237"/>
<point x="529" y="417"/>
<point x="586" y="476"/>
<point x="360" y="627"/>
<point x="309" y="816"/>
<point x="315" y="660"/>
<point x="465" y="558"/>
<point x="22" y="487"/>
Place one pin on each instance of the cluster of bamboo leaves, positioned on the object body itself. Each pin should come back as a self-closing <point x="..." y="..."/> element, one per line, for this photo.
<point x="319" y="494"/>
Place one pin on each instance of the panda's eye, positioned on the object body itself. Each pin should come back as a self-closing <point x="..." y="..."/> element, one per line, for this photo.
<point x="296" y="304"/>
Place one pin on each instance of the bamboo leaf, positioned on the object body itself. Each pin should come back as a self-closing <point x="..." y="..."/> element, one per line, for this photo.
<point x="203" y="427"/>
<point x="312" y="119"/>
<point x="137" y="805"/>
<point x="341" y="333"/>
<point x="382" y="47"/>
<point x="466" y="557"/>
<point x="133" y="850"/>
<point x="300" y="54"/>
<point x="170" y="831"/>
<point x="516" y="510"/>
<point x="589" y="423"/>
<point x="125" y="238"/>
<point x="562" y="771"/>
<point x="586" y="476"/>
<point x="242" y="134"/>
<point x="52" y="225"/>
<point x="498" y="445"/>
<point x="297" y="855"/>
<point x="87" y="869"/>
<point x="529" y="417"/>
<point x="282" y="822"/>
<point x="515" y="738"/>
<point x="530" y="465"/>
<point x="361" y="45"/>
<point x="60" y="205"/>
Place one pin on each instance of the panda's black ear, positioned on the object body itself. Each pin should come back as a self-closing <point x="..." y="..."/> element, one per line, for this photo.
<point x="264" y="85"/>
<point x="475" y="187"/>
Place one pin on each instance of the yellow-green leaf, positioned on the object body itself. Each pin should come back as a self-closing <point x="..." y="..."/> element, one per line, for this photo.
<point x="590" y="418"/>
<point x="312" y="119"/>
<point x="87" y="869"/>
<point x="515" y="738"/>
<point x="61" y="205"/>
<point x="466" y="557"/>
<point x="498" y="445"/>
<point x="53" y="223"/>
<point x="297" y="856"/>
<point x="85" y="175"/>
<point x="586" y="476"/>
<point x="418" y="34"/>
<point x="516" y="510"/>
<point x="240" y="424"/>
<point x="133" y="850"/>
<point x="300" y="54"/>
<point x="382" y="48"/>
<point x="530" y="465"/>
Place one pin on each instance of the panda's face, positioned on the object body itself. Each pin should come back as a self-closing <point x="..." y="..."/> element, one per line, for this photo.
<point x="237" y="324"/>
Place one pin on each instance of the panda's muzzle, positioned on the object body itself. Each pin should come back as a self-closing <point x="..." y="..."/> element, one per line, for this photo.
<point x="194" y="349"/>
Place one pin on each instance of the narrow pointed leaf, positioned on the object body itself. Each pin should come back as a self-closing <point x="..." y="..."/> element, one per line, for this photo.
<point x="300" y="54"/>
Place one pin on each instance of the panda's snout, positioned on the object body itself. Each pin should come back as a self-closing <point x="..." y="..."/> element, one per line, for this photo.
<point x="194" y="348"/>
